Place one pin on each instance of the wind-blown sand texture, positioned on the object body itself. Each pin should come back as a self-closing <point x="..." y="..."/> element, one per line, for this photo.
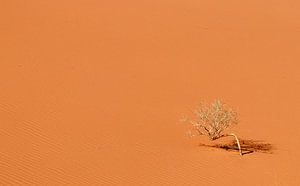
<point x="92" y="91"/>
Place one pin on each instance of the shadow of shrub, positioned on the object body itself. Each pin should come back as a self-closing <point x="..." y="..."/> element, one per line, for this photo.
<point x="247" y="146"/>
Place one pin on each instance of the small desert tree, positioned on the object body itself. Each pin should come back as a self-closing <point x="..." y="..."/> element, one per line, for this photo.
<point x="212" y="119"/>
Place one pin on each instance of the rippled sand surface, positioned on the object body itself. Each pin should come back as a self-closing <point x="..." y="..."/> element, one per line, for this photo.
<point x="92" y="91"/>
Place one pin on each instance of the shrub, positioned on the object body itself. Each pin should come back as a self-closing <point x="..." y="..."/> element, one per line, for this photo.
<point x="212" y="119"/>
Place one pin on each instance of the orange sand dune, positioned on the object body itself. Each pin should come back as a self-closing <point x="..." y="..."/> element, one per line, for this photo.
<point x="91" y="92"/>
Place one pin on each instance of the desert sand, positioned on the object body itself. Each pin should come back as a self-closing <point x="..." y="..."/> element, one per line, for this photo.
<point x="92" y="92"/>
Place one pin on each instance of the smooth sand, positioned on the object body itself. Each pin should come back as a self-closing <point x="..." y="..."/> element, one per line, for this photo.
<point x="91" y="92"/>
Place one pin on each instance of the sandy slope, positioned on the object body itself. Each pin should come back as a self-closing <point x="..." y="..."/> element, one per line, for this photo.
<point x="91" y="92"/>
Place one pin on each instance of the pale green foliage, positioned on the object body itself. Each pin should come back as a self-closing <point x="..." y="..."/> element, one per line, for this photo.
<point x="212" y="119"/>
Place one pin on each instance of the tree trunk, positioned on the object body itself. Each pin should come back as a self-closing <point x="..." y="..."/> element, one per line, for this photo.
<point x="237" y="141"/>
